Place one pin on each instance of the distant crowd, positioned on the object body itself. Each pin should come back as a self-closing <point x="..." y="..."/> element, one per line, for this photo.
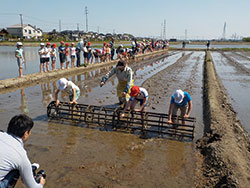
<point x="70" y="54"/>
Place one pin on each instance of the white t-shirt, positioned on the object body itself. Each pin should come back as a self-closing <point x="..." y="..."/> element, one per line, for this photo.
<point x="41" y="52"/>
<point x="53" y="52"/>
<point x="72" y="51"/>
<point x="144" y="94"/>
<point x="48" y="50"/>
<point x="70" y="87"/>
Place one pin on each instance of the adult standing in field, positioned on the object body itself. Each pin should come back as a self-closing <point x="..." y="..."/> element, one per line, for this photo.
<point x="62" y="57"/>
<point x="53" y="56"/>
<point x="124" y="75"/>
<point x="73" y="54"/>
<point x="180" y="100"/>
<point x="208" y="44"/>
<point x="20" y="58"/>
<point x="79" y="48"/>
<point x="47" y="55"/>
<point x="42" y="54"/>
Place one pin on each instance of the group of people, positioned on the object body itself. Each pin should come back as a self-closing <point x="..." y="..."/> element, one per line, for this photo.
<point x="129" y="94"/>
<point x="12" y="153"/>
<point x="70" y="54"/>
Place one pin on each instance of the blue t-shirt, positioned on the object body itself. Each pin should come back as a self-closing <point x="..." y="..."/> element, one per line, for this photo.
<point x="187" y="98"/>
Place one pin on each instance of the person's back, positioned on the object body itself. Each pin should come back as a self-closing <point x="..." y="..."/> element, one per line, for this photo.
<point x="12" y="153"/>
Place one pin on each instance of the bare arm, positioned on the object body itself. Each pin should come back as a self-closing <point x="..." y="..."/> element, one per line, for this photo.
<point x="190" y="106"/>
<point x="56" y="97"/>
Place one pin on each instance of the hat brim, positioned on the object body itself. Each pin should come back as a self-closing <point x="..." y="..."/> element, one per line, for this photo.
<point x="178" y="101"/>
<point x="62" y="87"/>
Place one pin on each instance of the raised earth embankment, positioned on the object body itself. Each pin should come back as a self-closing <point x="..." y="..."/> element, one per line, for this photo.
<point x="225" y="148"/>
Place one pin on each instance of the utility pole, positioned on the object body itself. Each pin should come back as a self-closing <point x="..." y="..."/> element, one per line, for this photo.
<point x="161" y="30"/>
<point x="21" y="18"/>
<point x="77" y="26"/>
<point x="185" y="34"/>
<point x="224" y="31"/>
<point x="164" y="30"/>
<point x="59" y="26"/>
<point x="86" y="12"/>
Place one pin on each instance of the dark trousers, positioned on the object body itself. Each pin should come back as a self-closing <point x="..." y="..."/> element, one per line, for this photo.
<point x="78" y="58"/>
<point x="10" y="179"/>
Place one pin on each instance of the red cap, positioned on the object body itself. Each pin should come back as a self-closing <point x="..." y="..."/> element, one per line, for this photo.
<point x="89" y="43"/>
<point x="48" y="43"/>
<point x="67" y="44"/>
<point x="104" y="43"/>
<point x="134" y="91"/>
<point x="62" y="42"/>
<point x="54" y="45"/>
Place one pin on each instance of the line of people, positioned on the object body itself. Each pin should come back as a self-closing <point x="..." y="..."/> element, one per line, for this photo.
<point x="70" y="55"/>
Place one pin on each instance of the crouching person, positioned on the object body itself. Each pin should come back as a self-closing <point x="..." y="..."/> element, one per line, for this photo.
<point x="68" y="86"/>
<point x="13" y="157"/>
<point x="137" y="94"/>
<point x="180" y="100"/>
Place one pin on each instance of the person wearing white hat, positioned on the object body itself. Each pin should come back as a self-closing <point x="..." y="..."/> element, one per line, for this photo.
<point x="68" y="86"/>
<point x="180" y="100"/>
<point x="20" y="58"/>
<point x="42" y="53"/>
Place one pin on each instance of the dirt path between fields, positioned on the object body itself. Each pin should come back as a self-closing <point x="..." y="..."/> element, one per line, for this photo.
<point x="8" y="85"/>
<point x="225" y="148"/>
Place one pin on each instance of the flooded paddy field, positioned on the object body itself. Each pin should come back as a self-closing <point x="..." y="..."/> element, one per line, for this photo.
<point x="77" y="156"/>
<point x="233" y="69"/>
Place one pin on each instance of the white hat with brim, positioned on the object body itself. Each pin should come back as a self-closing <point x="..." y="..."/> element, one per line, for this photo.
<point x="19" y="44"/>
<point x="62" y="83"/>
<point x="41" y="44"/>
<point x="178" y="96"/>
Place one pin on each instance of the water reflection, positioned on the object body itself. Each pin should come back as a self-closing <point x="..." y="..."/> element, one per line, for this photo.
<point x="23" y="106"/>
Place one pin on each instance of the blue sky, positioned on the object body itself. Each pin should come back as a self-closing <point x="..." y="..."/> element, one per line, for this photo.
<point x="202" y="19"/>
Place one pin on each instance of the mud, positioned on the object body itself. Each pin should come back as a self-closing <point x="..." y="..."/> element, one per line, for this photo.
<point x="226" y="145"/>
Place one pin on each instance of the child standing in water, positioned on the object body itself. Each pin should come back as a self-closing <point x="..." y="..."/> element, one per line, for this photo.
<point x="53" y="56"/>
<point x="20" y="58"/>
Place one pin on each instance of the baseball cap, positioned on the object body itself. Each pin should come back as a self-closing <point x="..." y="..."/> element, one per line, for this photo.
<point x="134" y="91"/>
<point x="178" y="96"/>
<point x="19" y="44"/>
<point x="41" y="44"/>
<point x="62" y="42"/>
<point x="62" y="83"/>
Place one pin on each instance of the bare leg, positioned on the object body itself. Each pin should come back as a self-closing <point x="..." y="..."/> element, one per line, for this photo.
<point x="20" y="72"/>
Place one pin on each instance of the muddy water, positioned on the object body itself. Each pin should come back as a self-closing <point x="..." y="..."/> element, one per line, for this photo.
<point x="236" y="81"/>
<point x="76" y="156"/>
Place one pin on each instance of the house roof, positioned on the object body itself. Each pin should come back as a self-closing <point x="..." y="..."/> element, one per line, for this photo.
<point x="24" y="25"/>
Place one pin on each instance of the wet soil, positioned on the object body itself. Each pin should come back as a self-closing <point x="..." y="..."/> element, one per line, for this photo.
<point x="77" y="156"/>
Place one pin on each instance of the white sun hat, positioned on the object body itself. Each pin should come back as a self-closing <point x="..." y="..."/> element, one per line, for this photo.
<point x="42" y="44"/>
<point x="19" y="44"/>
<point x="178" y="96"/>
<point x="62" y="83"/>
